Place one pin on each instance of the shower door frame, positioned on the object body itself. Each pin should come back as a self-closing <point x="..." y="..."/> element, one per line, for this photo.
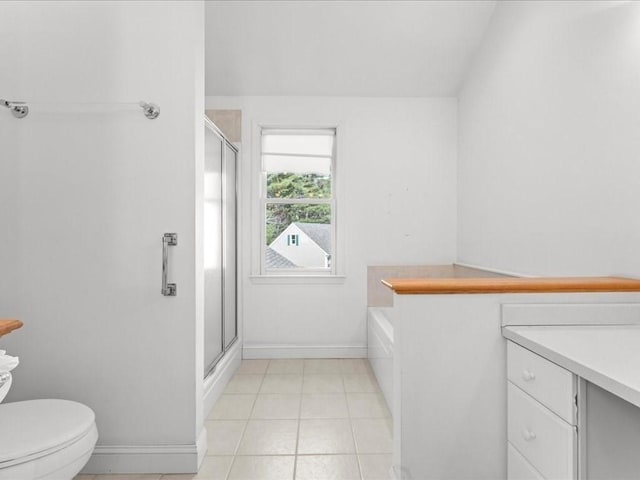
<point x="209" y="369"/>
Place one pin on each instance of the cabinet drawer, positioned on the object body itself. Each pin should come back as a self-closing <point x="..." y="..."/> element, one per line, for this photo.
<point x="550" y="384"/>
<point x="543" y="438"/>
<point x="518" y="468"/>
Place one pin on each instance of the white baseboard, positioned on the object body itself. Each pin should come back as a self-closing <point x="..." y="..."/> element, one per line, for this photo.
<point x="304" y="351"/>
<point x="167" y="458"/>
<point x="143" y="459"/>
<point x="216" y="381"/>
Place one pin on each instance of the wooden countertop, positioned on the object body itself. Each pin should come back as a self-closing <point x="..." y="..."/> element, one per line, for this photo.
<point x="7" y="326"/>
<point x="437" y="286"/>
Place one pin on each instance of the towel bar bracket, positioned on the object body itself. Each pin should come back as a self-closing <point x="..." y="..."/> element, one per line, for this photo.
<point x="18" y="109"/>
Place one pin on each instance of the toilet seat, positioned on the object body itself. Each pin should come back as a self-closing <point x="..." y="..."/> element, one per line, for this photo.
<point x="41" y="437"/>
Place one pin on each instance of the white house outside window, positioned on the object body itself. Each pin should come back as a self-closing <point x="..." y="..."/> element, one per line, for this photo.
<point x="298" y="200"/>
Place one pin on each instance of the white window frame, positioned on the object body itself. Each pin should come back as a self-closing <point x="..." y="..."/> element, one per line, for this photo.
<point x="259" y="274"/>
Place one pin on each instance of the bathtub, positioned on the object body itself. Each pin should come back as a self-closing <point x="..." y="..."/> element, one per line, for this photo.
<point x="380" y="349"/>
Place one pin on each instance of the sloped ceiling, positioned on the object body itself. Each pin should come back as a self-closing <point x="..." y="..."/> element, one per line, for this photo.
<point x="342" y="48"/>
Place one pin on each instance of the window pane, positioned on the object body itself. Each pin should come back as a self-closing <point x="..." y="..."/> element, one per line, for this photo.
<point x="298" y="236"/>
<point x="289" y="185"/>
<point x="305" y="144"/>
<point x="281" y="163"/>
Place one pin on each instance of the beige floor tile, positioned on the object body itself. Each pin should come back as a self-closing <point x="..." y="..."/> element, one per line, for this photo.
<point x="355" y="365"/>
<point x="129" y="476"/>
<point x="372" y="435"/>
<point x="246" y="383"/>
<point x="282" y="384"/>
<point x="232" y="407"/>
<point x="360" y="383"/>
<point x="286" y="365"/>
<point x="84" y="477"/>
<point x="367" y="405"/>
<point x="324" y="405"/>
<point x="262" y="468"/>
<point x="327" y="467"/>
<point x="325" y="383"/>
<point x="269" y="437"/>
<point x="375" y="467"/>
<point x="322" y="365"/>
<point x="277" y="406"/>
<point x="325" y="436"/>
<point x="223" y="436"/>
<point x="253" y="367"/>
<point x="213" y="468"/>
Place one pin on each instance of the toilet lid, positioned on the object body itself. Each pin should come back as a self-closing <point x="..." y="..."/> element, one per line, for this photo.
<point x="39" y="426"/>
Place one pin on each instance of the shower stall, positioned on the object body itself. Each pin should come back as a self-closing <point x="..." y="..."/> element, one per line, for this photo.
<point x="220" y="255"/>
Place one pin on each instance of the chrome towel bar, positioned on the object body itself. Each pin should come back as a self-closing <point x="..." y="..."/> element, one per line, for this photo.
<point x="21" y="109"/>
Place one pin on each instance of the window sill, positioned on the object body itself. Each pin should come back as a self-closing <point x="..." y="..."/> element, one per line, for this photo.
<point x="298" y="279"/>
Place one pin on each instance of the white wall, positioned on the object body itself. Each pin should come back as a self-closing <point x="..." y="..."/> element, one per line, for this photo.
<point x="397" y="167"/>
<point x="87" y="192"/>
<point x="549" y="123"/>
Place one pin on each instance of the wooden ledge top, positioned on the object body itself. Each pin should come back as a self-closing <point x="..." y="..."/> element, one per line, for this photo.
<point x="7" y="326"/>
<point x="437" y="286"/>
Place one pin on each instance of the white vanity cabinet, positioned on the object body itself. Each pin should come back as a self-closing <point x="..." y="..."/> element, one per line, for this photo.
<point x="450" y="403"/>
<point x="542" y="418"/>
<point x="575" y="366"/>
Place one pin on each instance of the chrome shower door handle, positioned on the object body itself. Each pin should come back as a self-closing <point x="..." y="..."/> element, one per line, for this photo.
<point x="168" y="240"/>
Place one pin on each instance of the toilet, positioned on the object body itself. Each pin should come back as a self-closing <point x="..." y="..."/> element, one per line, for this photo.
<point x="44" y="439"/>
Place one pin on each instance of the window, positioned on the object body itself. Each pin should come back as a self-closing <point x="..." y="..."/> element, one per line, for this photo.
<point x="298" y="201"/>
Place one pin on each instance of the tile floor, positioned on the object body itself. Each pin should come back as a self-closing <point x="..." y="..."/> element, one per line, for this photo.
<point x="311" y="419"/>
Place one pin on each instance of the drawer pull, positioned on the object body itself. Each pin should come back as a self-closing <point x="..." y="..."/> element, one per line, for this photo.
<point x="528" y="435"/>
<point x="528" y="375"/>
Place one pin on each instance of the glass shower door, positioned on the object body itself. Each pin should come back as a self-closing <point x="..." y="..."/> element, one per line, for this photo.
<point x="213" y="259"/>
